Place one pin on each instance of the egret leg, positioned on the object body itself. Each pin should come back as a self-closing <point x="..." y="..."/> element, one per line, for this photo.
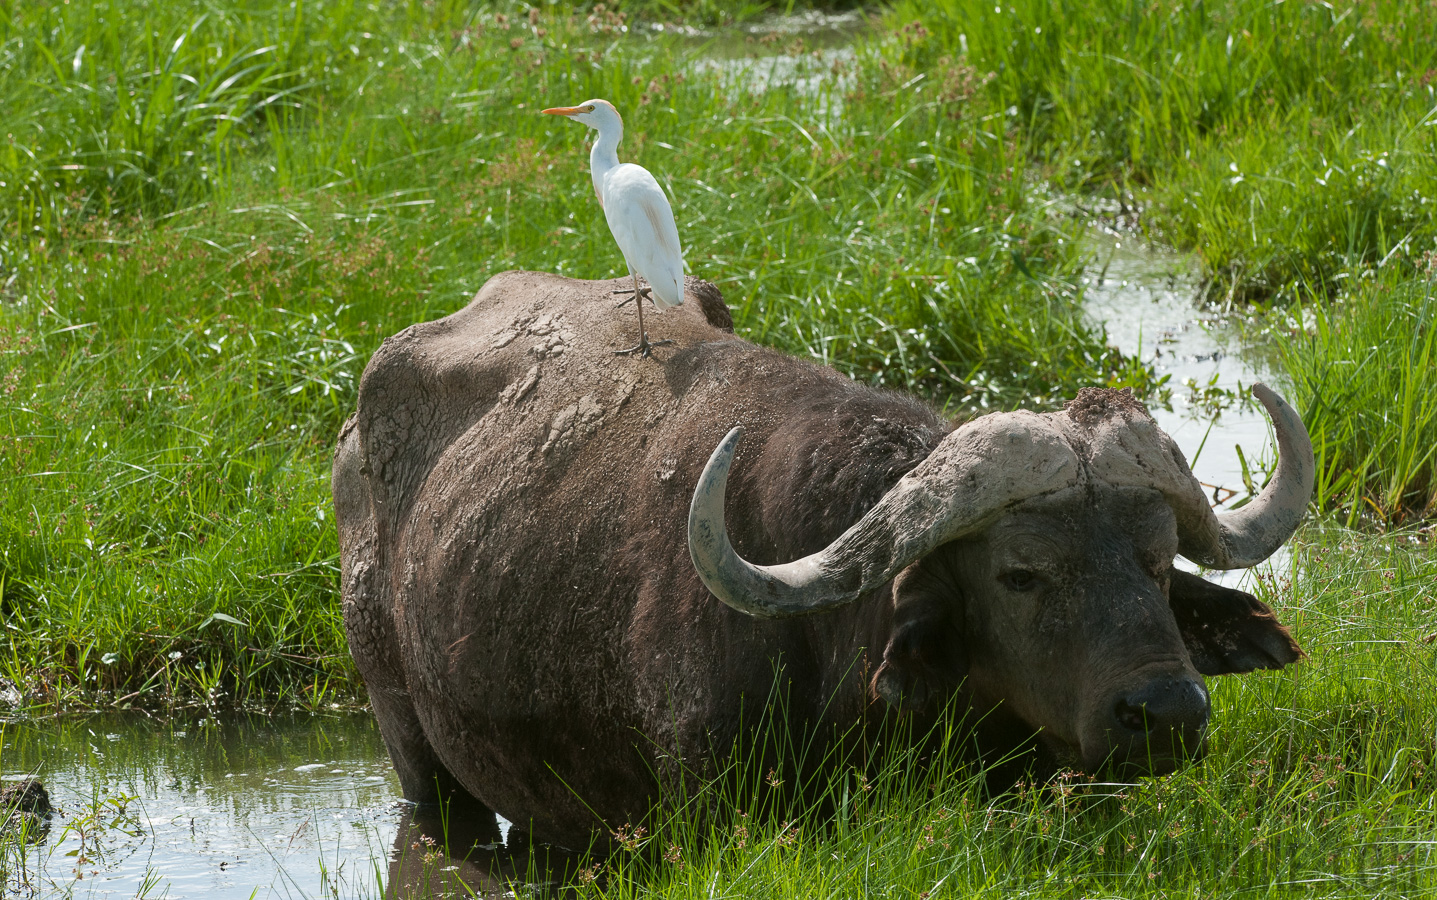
<point x="644" y="347"/>
<point x="641" y="292"/>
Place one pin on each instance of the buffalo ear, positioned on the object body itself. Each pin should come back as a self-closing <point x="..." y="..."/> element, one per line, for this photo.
<point x="924" y="658"/>
<point x="1228" y="631"/>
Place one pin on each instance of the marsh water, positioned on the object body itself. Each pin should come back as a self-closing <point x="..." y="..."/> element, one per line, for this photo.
<point x="1146" y="299"/>
<point x="796" y="51"/>
<point x="243" y="806"/>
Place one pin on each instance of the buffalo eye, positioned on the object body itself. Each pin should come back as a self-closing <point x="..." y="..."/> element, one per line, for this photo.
<point x="1020" y="580"/>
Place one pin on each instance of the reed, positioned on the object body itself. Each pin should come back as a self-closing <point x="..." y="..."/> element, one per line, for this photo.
<point x="1364" y="370"/>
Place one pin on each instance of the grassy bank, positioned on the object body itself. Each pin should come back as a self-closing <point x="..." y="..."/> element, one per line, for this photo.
<point x="1288" y="143"/>
<point x="211" y="215"/>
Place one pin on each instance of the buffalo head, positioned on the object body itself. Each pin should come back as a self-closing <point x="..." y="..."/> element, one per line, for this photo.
<point x="1031" y="558"/>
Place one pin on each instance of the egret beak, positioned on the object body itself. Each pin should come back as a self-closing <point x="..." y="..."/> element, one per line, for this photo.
<point x="564" y="110"/>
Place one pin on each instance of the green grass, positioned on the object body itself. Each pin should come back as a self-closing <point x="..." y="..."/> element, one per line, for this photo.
<point x="1365" y="371"/>
<point x="1287" y="142"/>
<point x="210" y="215"/>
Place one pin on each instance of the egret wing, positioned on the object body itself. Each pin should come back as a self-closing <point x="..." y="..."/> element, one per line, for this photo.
<point x="642" y="222"/>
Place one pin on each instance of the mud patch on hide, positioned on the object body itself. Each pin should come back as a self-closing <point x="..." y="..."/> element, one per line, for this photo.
<point x="554" y="338"/>
<point x="572" y="426"/>
<point x="626" y="390"/>
<point x="507" y="335"/>
<point x="544" y="325"/>
<point x="1093" y="405"/>
<point x="388" y="435"/>
<point x="520" y="389"/>
<point x="552" y="346"/>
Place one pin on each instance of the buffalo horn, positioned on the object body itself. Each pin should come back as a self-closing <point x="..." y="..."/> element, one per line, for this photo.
<point x="1247" y="536"/>
<point x="951" y="493"/>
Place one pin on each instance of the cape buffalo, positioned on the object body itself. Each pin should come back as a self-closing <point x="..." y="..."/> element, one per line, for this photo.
<point x="532" y="545"/>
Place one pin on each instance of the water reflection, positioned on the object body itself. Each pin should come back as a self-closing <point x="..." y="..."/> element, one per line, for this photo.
<point x="243" y="806"/>
<point x="469" y="855"/>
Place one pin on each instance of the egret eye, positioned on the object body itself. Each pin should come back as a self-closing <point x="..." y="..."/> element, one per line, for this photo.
<point x="589" y="108"/>
<point x="1020" y="580"/>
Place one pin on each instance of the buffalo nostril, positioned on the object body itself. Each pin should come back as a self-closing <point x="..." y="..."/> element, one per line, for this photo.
<point x="1164" y="705"/>
<point x="1156" y="722"/>
<point x="1133" y="718"/>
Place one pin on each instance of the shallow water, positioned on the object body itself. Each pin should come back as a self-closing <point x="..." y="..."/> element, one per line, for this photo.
<point x="286" y="806"/>
<point x="242" y="806"/>
<point x="807" y="53"/>
<point x="1145" y="297"/>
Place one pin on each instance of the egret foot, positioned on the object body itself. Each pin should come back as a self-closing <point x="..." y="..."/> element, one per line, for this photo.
<point x="644" y="347"/>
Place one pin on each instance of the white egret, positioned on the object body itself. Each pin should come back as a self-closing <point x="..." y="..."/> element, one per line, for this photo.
<point x="638" y="213"/>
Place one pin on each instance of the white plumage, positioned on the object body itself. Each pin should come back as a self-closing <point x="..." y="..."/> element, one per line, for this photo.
<point x="642" y="221"/>
<point x="637" y="210"/>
